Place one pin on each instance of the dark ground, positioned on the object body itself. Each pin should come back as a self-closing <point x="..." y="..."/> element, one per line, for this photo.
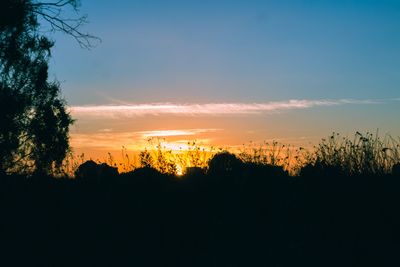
<point x="249" y="217"/>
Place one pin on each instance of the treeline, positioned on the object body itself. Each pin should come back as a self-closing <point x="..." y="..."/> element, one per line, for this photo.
<point x="233" y="214"/>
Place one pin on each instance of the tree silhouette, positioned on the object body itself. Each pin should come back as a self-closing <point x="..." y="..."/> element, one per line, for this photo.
<point x="34" y="122"/>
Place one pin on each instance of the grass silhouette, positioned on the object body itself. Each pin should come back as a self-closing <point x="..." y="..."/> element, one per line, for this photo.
<point x="366" y="154"/>
<point x="362" y="154"/>
<point x="227" y="209"/>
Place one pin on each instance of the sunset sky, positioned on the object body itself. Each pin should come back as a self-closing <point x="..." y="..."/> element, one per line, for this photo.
<point x="229" y="72"/>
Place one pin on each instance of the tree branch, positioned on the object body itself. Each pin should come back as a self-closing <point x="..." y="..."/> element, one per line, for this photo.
<point x="52" y="13"/>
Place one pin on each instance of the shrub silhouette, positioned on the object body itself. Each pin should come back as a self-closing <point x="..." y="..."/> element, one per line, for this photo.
<point x="224" y="163"/>
<point x="91" y="171"/>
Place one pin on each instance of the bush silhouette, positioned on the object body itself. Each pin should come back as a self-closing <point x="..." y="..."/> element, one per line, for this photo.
<point x="91" y="171"/>
<point x="224" y="163"/>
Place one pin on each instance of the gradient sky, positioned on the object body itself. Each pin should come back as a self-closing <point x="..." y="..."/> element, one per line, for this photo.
<point x="341" y="58"/>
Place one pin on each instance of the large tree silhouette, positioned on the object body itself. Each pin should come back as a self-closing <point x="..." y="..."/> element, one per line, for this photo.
<point x="34" y="122"/>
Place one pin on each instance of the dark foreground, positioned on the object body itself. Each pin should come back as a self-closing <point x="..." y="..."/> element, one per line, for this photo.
<point x="256" y="217"/>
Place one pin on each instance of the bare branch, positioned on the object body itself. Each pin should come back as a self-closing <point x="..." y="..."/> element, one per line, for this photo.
<point x="60" y="3"/>
<point x="52" y="13"/>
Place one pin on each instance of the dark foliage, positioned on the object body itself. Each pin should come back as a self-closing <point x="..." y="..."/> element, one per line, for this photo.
<point x="224" y="163"/>
<point x="241" y="215"/>
<point x="90" y="170"/>
<point x="34" y="123"/>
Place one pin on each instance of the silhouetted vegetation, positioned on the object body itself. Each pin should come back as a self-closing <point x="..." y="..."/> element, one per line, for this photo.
<point x="267" y="205"/>
<point x="338" y="211"/>
<point x="365" y="154"/>
<point x="34" y="122"/>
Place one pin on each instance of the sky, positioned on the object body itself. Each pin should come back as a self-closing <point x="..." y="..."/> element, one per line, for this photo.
<point x="225" y="73"/>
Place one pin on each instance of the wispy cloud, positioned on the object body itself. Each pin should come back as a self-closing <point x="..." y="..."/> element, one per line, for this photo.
<point x="213" y="109"/>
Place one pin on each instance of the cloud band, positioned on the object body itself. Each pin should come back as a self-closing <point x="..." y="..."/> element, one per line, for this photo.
<point x="213" y="109"/>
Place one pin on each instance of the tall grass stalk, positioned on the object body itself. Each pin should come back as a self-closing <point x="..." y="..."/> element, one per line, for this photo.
<point x="362" y="154"/>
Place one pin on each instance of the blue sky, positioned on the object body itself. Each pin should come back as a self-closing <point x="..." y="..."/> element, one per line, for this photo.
<point x="233" y="51"/>
<point x="239" y="52"/>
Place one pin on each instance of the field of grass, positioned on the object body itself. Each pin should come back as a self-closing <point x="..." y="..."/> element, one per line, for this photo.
<point x="340" y="208"/>
<point x="361" y="154"/>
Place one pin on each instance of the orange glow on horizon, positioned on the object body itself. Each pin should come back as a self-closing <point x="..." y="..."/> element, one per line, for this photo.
<point x="184" y="153"/>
